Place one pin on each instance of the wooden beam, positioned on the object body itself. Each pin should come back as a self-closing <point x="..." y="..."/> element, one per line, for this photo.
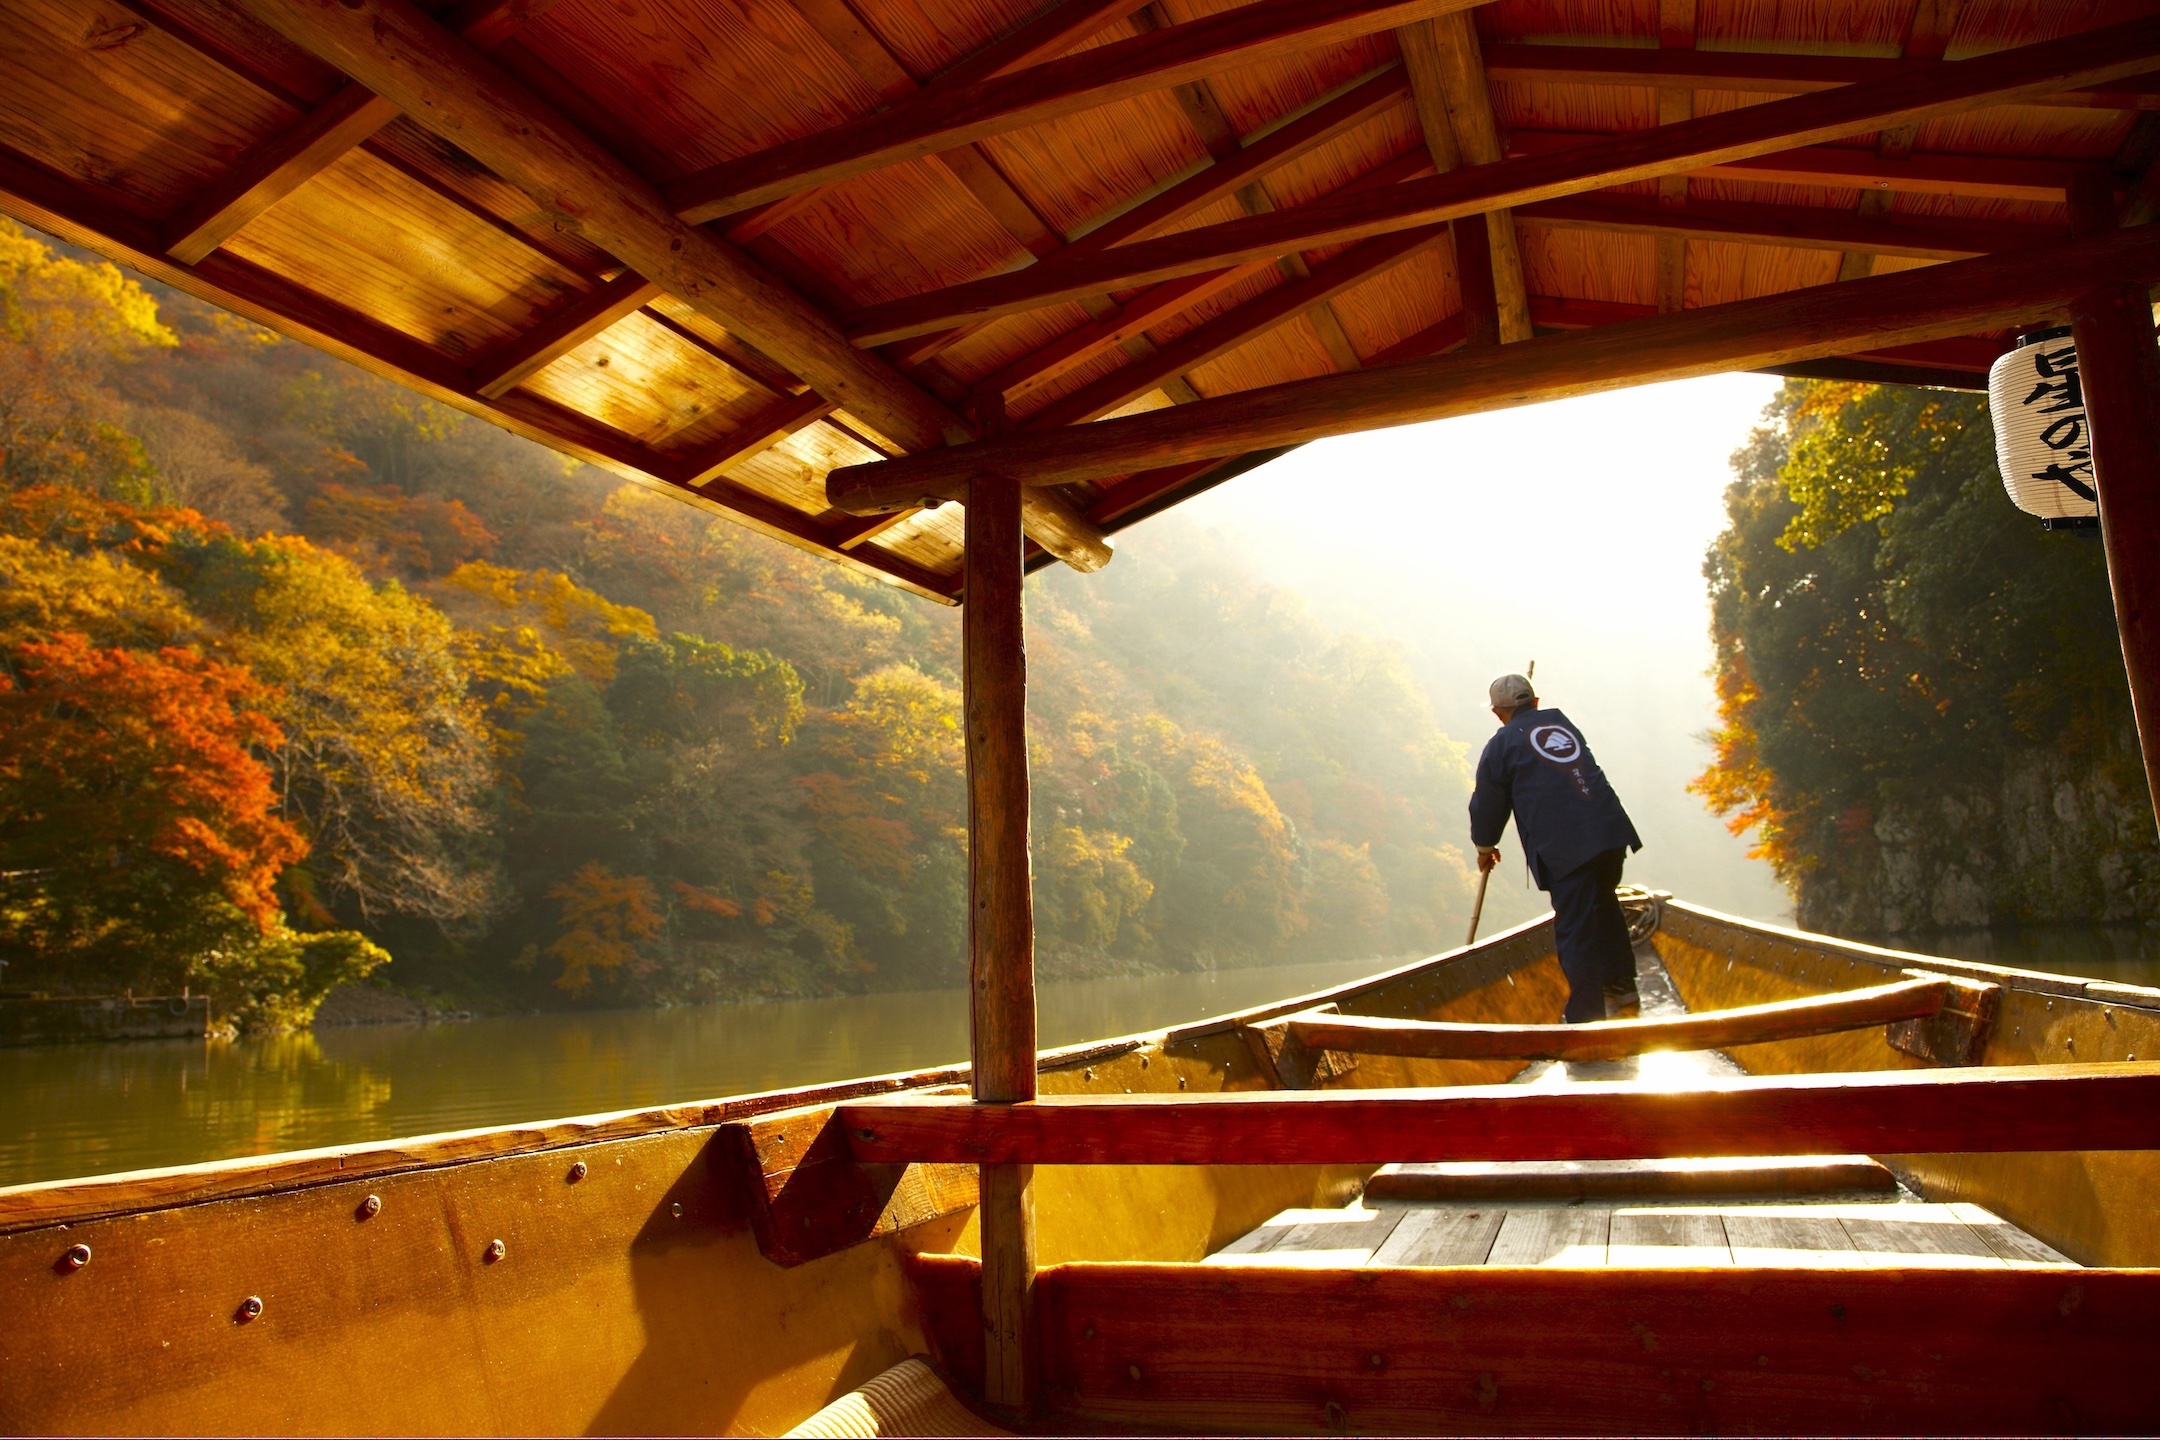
<point x="1676" y="31"/>
<point x="1475" y="1350"/>
<point x="1152" y="306"/>
<point x="783" y="417"/>
<point x="1611" y="1039"/>
<point x="1896" y="1112"/>
<point x="396" y="50"/>
<point x="301" y="152"/>
<point x="1474" y="282"/>
<point x="58" y="205"/>
<point x="1237" y="326"/>
<point x="1735" y="138"/>
<point x="1993" y="292"/>
<point x="929" y="123"/>
<point x="1479" y="142"/>
<point x="2119" y="366"/>
<point x="1797" y="227"/>
<point x="560" y="333"/>
<point x="1752" y="73"/>
<point x="1001" y="921"/>
<point x="1927" y="37"/>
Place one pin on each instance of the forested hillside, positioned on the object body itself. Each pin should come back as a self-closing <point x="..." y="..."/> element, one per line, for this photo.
<point x="301" y="673"/>
<point x="1924" y="711"/>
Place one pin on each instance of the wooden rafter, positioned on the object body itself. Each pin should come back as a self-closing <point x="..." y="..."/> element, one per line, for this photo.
<point x="1748" y="72"/>
<point x="931" y="123"/>
<point x="1839" y="168"/>
<point x="1452" y="65"/>
<point x="1791" y="226"/>
<point x="1734" y="139"/>
<point x="1927" y="37"/>
<point x="305" y="150"/>
<point x="1239" y="326"/>
<point x="555" y="337"/>
<point x="1255" y="158"/>
<point x="396" y="50"/>
<point x="1993" y="292"/>
<point x="784" y="416"/>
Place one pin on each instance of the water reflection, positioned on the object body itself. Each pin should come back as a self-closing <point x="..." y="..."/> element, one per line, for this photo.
<point x="70" y="1110"/>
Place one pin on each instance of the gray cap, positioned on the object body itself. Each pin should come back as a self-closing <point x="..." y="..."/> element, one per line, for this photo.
<point x="1511" y="692"/>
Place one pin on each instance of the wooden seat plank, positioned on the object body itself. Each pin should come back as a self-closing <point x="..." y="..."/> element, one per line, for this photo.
<point x="1442" y="1237"/>
<point x="1642" y="1237"/>
<point x="1989" y="1109"/>
<point x="1788" y="1235"/>
<point x="1318" y="1238"/>
<point x="1570" y="1236"/>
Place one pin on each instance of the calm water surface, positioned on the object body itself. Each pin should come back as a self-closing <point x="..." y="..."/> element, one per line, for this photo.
<point x="69" y="1110"/>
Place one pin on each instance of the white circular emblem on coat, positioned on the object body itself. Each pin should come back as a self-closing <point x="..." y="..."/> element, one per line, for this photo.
<point x="1556" y="743"/>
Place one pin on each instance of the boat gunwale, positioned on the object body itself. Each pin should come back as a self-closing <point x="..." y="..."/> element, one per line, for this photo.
<point x="46" y="1204"/>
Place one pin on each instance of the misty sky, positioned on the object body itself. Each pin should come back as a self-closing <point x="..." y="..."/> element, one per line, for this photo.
<point x="1571" y="533"/>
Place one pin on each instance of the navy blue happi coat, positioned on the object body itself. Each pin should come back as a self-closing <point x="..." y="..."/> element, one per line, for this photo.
<point x="1538" y="768"/>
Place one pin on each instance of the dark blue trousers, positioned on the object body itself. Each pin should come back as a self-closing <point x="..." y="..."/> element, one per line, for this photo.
<point x="1592" y="935"/>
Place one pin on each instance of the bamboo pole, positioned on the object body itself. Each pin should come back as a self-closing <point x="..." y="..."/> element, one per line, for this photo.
<point x="1001" y="921"/>
<point x="2119" y="364"/>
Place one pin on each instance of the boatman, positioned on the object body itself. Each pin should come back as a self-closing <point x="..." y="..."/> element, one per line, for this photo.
<point x="1576" y="836"/>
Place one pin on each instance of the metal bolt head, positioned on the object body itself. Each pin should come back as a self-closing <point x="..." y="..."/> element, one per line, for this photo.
<point x="676" y="1210"/>
<point x="249" y="1309"/>
<point x="577" y="1172"/>
<point x="76" y="1257"/>
<point x="1133" y="1370"/>
<point x="495" y="1251"/>
<point x="370" y="1207"/>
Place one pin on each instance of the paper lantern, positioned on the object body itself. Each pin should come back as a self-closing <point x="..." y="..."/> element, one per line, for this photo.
<point x="2043" y="442"/>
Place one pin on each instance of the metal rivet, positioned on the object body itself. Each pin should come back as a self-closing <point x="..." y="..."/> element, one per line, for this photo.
<point x="676" y="1209"/>
<point x="577" y="1172"/>
<point x="495" y="1251"/>
<point x="1181" y="1082"/>
<point x="76" y="1257"/>
<point x="370" y="1207"/>
<point x="1143" y="1062"/>
<point x="1087" y="1074"/>
<point x="1133" y="1370"/>
<point x="1375" y="1361"/>
<point x="249" y="1309"/>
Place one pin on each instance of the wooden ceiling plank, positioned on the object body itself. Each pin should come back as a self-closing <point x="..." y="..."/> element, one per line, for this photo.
<point x="1732" y="141"/>
<point x="1238" y="326"/>
<point x="931" y="122"/>
<point x="1994" y="292"/>
<point x="37" y="196"/>
<point x="1764" y="72"/>
<point x="303" y="151"/>
<point x="1795" y="226"/>
<point x="559" y="334"/>
<point x="786" y="415"/>
<point x="1478" y="141"/>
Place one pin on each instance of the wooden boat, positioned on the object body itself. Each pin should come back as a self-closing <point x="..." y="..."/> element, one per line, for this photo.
<point x="1205" y="1259"/>
<point x="826" y="265"/>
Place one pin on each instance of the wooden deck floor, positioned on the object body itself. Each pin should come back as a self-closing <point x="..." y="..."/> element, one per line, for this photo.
<point x="1511" y="1215"/>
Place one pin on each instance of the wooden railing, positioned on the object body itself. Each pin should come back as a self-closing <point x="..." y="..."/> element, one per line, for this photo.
<point x="1999" y="1108"/>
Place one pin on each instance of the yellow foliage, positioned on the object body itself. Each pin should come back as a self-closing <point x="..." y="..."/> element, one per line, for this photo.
<point x="604" y="916"/>
<point x="1096" y="887"/>
<point x="584" y="627"/>
<point x="45" y="590"/>
<point x="57" y="304"/>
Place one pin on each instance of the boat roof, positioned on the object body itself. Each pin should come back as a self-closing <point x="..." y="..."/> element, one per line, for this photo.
<point x="921" y="221"/>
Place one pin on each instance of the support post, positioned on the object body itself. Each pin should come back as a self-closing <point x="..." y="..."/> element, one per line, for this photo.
<point x="1474" y="277"/>
<point x="2119" y="362"/>
<point x="1001" y="920"/>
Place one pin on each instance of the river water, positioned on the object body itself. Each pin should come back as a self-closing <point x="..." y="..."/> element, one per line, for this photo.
<point x="71" y="1110"/>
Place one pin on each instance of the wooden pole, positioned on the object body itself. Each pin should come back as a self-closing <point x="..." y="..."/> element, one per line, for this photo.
<point x="1001" y="918"/>
<point x="2119" y="363"/>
